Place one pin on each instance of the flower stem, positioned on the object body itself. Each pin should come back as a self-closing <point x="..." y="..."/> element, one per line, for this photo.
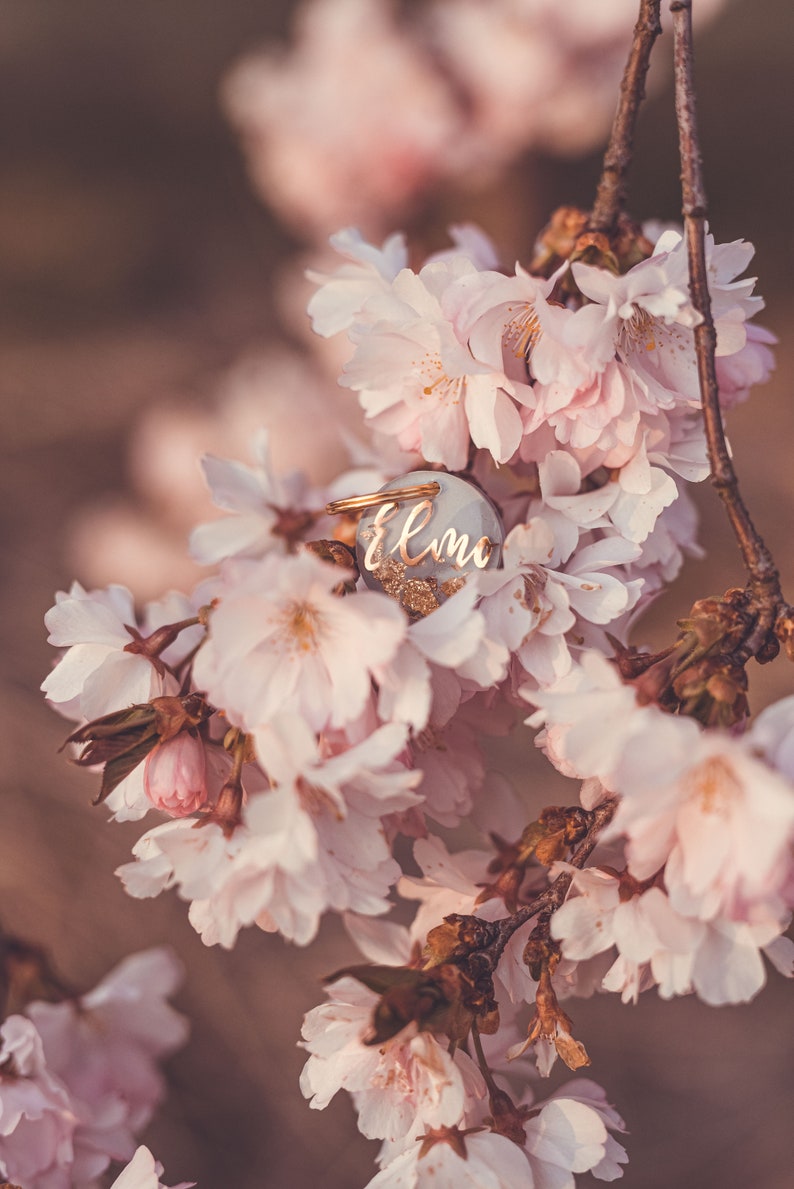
<point x="764" y="580"/>
<point x="611" y="194"/>
<point x="493" y="1089"/>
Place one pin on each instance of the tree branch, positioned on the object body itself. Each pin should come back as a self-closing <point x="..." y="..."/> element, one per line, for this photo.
<point x="611" y="194"/>
<point x="764" y="580"/>
<point x="550" y="900"/>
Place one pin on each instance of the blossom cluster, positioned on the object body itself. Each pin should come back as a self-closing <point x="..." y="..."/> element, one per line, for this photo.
<point x="707" y="822"/>
<point x="79" y="1078"/>
<point x="289" y="719"/>
<point x="478" y="83"/>
<point x="144" y="1172"/>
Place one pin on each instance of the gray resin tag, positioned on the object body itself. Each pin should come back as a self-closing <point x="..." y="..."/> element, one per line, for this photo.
<point x="421" y="550"/>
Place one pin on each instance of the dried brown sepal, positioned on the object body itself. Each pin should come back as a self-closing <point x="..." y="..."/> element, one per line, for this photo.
<point x="577" y="823"/>
<point x="455" y="951"/>
<point x="406" y="996"/>
<point x="153" y="645"/>
<point x="446" y="1135"/>
<point x="488" y="1022"/>
<point x="509" y="869"/>
<point x="720" y="624"/>
<point x="629" y="887"/>
<point x="335" y="553"/>
<point x="457" y="937"/>
<point x="557" y="239"/>
<point x="109" y="731"/>
<point x="556" y="831"/>
<point x="769" y="650"/>
<point x="240" y="744"/>
<point x="424" y="1001"/>
<point x="123" y="739"/>
<point x="507" y="1119"/>
<point x="540" y="953"/>
<point x="530" y="837"/>
<point x="568" y="236"/>
<point x="714" y="691"/>
<point x="227" y="812"/>
<point x="175" y="714"/>
<point x="784" y="630"/>
<point x="551" y="848"/>
<point x="594" y="248"/>
<point x="571" y="1051"/>
<point x="120" y="741"/>
<point x="551" y="1023"/>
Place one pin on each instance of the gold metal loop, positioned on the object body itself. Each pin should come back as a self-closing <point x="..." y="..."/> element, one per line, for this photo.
<point x="355" y="503"/>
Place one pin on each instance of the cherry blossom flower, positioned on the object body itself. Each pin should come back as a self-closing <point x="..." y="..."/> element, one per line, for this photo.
<point x="417" y="377"/>
<point x="719" y="820"/>
<point x="367" y="272"/>
<point x="590" y="1094"/>
<point x="724" y="960"/>
<point x="588" y="714"/>
<point x="97" y="674"/>
<point x="534" y="74"/>
<point x="532" y="607"/>
<point x="281" y="640"/>
<point x="104" y="1050"/>
<point x="772" y="736"/>
<point x="255" y="496"/>
<point x="175" y="775"/>
<point x="37" y="1120"/>
<point x="564" y="1137"/>
<point x="720" y="960"/>
<point x="452" y="765"/>
<point x="452" y="1159"/>
<point x="315" y="841"/>
<point x="753" y="364"/>
<point x="326" y="142"/>
<point x="648" y="316"/>
<point x="399" y="1087"/>
<point x="139" y="540"/>
<point x="144" y="1172"/>
<point x="629" y="503"/>
<point x="442" y="654"/>
<point x="268" y="511"/>
<point x="600" y="913"/>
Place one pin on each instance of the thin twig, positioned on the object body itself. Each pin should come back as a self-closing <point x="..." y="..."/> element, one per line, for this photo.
<point x="611" y="194"/>
<point x="764" y="580"/>
<point x="550" y="900"/>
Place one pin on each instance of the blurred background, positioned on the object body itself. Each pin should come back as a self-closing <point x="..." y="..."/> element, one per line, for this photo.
<point x="148" y="291"/>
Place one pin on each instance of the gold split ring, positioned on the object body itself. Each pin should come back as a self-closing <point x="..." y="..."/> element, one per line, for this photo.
<point x="355" y="503"/>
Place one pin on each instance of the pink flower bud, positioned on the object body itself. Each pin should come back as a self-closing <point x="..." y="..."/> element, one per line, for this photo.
<point x="175" y="775"/>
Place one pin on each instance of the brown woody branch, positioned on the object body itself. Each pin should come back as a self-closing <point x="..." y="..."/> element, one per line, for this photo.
<point x="764" y="580"/>
<point x="550" y="900"/>
<point x="611" y="194"/>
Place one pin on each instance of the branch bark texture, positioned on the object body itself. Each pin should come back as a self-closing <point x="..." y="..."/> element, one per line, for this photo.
<point x="610" y="197"/>
<point x="764" y="580"/>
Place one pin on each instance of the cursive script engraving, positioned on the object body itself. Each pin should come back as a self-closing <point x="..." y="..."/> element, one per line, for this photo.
<point x="452" y="547"/>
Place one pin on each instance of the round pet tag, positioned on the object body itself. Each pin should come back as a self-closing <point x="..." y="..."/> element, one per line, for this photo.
<point x="420" y="548"/>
